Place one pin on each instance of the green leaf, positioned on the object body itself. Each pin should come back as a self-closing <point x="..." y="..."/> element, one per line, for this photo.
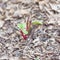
<point x="24" y="25"/>
<point x="24" y="31"/>
<point x="36" y="23"/>
<point x="21" y="25"/>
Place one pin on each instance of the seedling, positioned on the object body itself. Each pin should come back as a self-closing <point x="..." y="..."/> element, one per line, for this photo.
<point x="25" y="27"/>
<point x="22" y="27"/>
<point x="23" y="31"/>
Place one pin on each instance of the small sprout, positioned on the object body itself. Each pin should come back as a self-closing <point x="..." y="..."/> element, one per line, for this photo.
<point x="25" y="27"/>
<point x="23" y="31"/>
<point x="22" y="26"/>
<point x="36" y="23"/>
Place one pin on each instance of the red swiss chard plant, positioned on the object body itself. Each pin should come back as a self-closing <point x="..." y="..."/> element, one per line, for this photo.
<point x="25" y="27"/>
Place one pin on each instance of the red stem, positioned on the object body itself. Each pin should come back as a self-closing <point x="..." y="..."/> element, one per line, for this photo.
<point x="24" y="36"/>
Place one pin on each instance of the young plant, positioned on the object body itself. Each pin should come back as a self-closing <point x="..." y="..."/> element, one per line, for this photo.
<point x="23" y="31"/>
<point x="25" y="27"/>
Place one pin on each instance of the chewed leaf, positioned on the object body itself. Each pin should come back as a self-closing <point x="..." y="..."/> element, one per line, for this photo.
<point x="24" y="31"/>
<point x="21" y="25"/>
<point x="36" y="23"/>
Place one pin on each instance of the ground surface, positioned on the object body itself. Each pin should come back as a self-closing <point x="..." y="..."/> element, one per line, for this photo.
<point x="43" y="42"/>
